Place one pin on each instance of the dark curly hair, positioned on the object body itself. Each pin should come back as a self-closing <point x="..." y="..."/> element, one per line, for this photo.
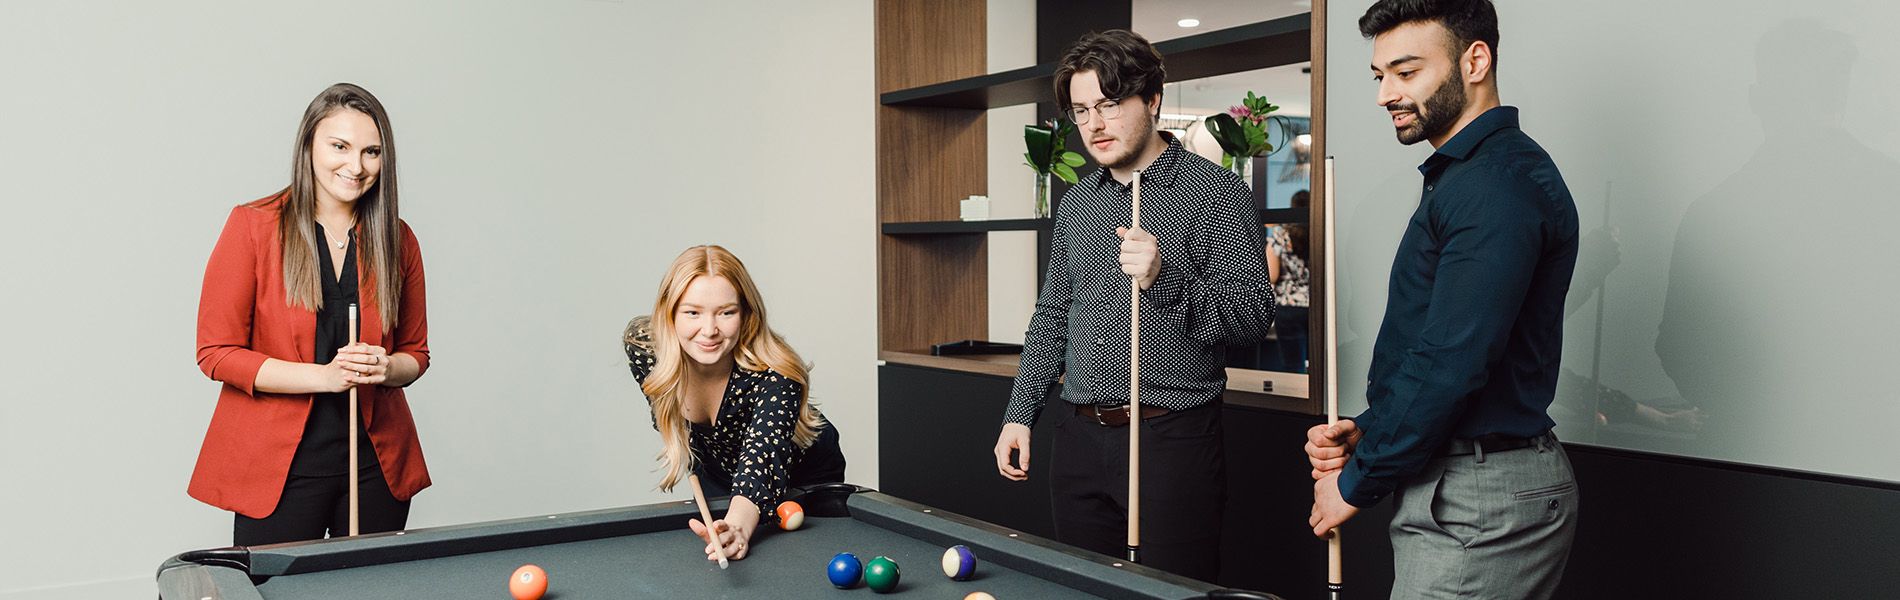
<point x="1468" y="21"/>
<point x="1126" y="63"/>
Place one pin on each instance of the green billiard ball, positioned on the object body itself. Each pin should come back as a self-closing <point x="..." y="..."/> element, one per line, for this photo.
<point x="881" y="575"/>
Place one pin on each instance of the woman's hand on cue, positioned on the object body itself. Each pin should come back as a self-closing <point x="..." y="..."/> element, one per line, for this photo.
<point x="332" y="377"/>
<point x="366" y="364"/>
<point x="735" y="531"/>
<point x="729" y="539"/>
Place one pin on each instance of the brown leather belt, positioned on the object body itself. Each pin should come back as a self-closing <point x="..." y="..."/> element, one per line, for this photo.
<point x="1116" y="415"/>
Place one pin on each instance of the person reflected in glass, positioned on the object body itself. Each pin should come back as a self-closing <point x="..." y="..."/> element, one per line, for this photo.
<point x="1288" y="250"/>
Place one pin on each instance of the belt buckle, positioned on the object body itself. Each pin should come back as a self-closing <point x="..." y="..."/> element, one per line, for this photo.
<point x="1097" y="410"/>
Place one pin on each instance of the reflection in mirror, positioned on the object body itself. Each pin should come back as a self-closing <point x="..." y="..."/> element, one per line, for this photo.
<point x="1280" y="179"/>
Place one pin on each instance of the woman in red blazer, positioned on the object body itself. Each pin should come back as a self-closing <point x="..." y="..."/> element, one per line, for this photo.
<point x="273" y="328"/>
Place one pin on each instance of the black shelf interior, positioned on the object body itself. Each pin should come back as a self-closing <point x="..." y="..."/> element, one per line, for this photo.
<point x="1281" y="41"/>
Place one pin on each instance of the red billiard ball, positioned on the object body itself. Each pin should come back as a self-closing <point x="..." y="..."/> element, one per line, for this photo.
<point x="528" y="583"/>
<point x="790" y="515"/>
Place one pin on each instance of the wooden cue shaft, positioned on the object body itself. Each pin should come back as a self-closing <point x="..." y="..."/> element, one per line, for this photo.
<point x="1596" y="348"/>
<point x="1334" y="556"/>
<point x="354" y="499"/>
<point x="1134" y="388"/>
<point x="705" y="516"/>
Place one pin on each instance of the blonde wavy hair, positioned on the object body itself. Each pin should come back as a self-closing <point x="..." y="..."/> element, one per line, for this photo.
<point x="757" y="348"/>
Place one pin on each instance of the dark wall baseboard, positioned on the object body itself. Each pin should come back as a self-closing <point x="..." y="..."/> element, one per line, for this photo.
<point x="1671" y="527"/>
<point x="1653" y="526"/>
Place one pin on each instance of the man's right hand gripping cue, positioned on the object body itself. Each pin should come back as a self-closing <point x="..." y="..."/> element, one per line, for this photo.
<point x="1015" y="436"/>
<point x="1327" y="446"/>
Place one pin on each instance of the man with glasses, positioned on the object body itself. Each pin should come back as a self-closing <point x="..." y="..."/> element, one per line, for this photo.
<point x="1200" y="264"/>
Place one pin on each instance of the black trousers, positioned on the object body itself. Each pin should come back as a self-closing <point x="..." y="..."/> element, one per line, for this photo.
<point x="1183" y="486"/>
<point x="317" y="507"/>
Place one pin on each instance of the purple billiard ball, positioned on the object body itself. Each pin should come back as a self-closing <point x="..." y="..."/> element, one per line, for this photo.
<point x="959" y="563"/>
<point x="845" y="570"/>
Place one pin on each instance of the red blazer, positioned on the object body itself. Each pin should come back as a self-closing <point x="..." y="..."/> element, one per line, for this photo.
<point x="243" y="318"/>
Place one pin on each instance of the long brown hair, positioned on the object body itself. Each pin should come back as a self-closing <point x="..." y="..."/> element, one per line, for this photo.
<point x="380" y="230"/>
<point x="758" y="348"/>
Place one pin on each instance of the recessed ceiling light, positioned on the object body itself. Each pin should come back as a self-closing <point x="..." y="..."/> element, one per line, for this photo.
<point x="1189" y="22"/>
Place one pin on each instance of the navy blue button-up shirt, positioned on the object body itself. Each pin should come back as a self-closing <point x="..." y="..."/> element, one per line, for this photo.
<point x="1474" y="317"/>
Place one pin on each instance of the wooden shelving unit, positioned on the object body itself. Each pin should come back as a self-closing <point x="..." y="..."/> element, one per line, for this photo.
<point x="942" y="227"/>
<point x="933" y="94"/>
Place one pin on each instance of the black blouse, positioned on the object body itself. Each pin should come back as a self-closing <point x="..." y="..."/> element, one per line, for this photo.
<point x="751" y="438"/>
<point x="325" y="444"/>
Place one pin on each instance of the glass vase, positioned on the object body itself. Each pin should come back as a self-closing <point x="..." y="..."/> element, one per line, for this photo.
<point x="1044" y="183"/>
<point x="1243" y="166"/>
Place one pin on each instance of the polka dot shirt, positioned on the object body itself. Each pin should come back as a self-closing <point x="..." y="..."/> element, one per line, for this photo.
<point x="751" y="438"/>
<point x="1212" y="290"/>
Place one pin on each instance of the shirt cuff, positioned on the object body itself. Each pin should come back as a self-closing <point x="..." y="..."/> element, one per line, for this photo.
<point x="1358" y="491"/>
<point x="1169" y="287"/>
<point x="1025" y="413"/>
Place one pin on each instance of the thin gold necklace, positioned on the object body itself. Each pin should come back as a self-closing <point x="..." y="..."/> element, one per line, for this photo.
<point x="339" y="245"/>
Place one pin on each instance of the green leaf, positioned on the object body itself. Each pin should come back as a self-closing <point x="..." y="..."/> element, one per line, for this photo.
<point x="1226" y="161"/>
<point x="1258" y="104"/>
<point x="1257" y="142"/>
<point x="1063" y="171"/>
<point x="1030" y="163"/>
<point x="1072" y="159"/>
<point x="1039" y="141"/>
<point x="1227" y="131"/>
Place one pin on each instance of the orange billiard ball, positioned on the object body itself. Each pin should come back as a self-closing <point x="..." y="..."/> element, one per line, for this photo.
<point x="790" y="515"/>
<point x="528" y="583"/>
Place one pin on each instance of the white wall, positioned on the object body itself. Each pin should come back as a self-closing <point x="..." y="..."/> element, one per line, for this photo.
<point x="1742" y="154"/>
<point x="1011" y="44"/>
<point x="555" y="156"/>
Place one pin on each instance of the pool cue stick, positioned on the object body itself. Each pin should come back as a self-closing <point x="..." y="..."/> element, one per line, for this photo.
<point x="354" y="500"/>
<point x="1134" y="386"/>
<point x="1335" y="583"/>
<point x="1596" y="351"/>
<point x="705" y="516"/>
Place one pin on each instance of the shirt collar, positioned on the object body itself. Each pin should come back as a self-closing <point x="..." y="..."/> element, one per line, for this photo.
<point x="1160" y="172"/>
<point x="1460" y="146"/>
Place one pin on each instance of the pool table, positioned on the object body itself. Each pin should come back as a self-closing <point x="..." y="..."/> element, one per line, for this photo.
<point x="647" y="552"/>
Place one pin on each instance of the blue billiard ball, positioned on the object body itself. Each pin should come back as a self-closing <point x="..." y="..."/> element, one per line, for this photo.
<point x="958" y="563"/>
<point x="845" y="570"/>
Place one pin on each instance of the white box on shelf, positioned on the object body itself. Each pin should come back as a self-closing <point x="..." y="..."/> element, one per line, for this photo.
<point x="974" y="208"/>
